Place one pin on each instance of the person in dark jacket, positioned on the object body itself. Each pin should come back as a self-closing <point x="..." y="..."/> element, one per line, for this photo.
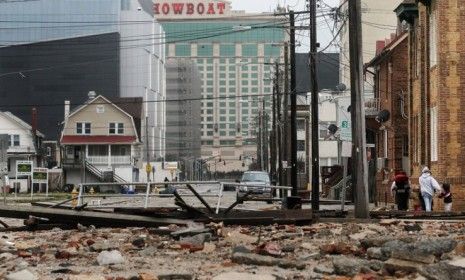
<point x="401" y="190"/>
<point x="447" y="196"/>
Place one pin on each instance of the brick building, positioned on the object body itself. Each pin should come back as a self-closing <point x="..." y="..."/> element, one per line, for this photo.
<point x="390" y="122"/>
<point x="436" y="100"/>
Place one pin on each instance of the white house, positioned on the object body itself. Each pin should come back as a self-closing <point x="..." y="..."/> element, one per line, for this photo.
<point x="24" y="144"/>
<point x="99" y="142"/>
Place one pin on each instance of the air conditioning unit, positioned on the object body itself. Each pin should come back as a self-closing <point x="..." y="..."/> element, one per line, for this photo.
<point x="381" y="163"/>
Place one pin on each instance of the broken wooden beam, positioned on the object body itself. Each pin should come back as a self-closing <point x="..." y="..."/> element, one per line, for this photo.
<point x="98" y="219"/>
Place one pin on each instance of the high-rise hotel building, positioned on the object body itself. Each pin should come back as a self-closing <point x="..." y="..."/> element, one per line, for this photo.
<point x="234" y="52"/>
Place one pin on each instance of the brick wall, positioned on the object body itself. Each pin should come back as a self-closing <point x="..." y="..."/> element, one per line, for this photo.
<point x="442" y="86"/>
<point x="391" y="86"/>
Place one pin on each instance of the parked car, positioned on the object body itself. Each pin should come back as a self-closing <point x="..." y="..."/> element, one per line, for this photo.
<point x="256" y="183"/>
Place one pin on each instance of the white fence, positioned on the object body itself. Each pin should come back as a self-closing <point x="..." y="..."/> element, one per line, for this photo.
<point x="106" y="160"/>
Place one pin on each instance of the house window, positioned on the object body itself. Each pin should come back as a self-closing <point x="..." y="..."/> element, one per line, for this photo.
<point x="434" y="134"/>
<point x="432" y="35"/>
<point x="83" y="128"/>
<point x="100" y="109"/>
<point x="116" y="128"/>
<point x="300" y="145"/>
<point x="14" y="140"/>
<point x="49" y="151"/>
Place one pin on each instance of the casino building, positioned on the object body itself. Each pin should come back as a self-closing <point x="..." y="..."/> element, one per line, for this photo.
<point x="234" y="52"/>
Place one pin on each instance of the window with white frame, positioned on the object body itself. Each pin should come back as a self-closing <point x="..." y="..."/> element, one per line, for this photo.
<point x="83" y="128"/>
<point x="433" y="57"/>
<point x="13" y="141"/>
<point x="116" y="128"/>
<point x="434" y="134"/>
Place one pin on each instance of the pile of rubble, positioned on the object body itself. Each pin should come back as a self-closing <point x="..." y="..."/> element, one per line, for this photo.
<point x="388" y="249"/>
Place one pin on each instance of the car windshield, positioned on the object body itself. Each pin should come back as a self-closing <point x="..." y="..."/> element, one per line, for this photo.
<point x="255" y="177"/>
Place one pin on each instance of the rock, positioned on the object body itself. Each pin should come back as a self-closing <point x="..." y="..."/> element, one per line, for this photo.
<point x="209" y="248"/>
<point x="361" y="235"/>
<point x="324" y="270"/>
<point x="146" y="276"/>
<point x="309" y="246"/>
<point x="110" y="257"/>
<point x="394" y="265"/>
<point x="100" y="246"/>
<point x="148" y="251"/>
<point x="193" y="243"/>
<point x="443" y="271"/>
<point x="424" y="251"/>
<point x="241" y="275"/>
<point x="460" y="248"/>
<point x="63" y="254"/>
<point x="389" y="222"/>
<point x="6" y="256"/>
<point x="241" y="249"/>
<point x="375" y="242"/>
<point x="176" y="276"/>
<point x="237" y="238"/>
<point x="138" y="242"/>
<point x="21" y="275"/>
<point x="270" y="249"/>
<point x="339" y="248"/>
<point x="22" y="265"/>
<point x="414" y="227"/>
<point x="377" y="254"/>
<point x="458" y="262"/>
<point x="255" y="259"/>
<point x="351" y="266"/>
<point x="289" y="248"/>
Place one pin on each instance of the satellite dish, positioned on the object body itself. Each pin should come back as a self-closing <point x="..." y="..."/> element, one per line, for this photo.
<point x="383" y="116"/>
<point x="332" y="128"/>
<point x="341" y="87"/>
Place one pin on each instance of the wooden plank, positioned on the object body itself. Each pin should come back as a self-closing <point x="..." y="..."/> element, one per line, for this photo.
<point x="63" y="216"/>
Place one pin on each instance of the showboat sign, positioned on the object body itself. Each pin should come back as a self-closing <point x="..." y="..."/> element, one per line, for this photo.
<point x="192" y="8"/>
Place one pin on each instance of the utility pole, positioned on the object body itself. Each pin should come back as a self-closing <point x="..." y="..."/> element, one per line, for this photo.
<point x="360" y="174"/>
<point x="279" y="130"/>
<point x="285" y="150"/>
<point x="314" y="104"/>
<point x="147" y="167"/>
<point x="293" y="109"/>
<point x="274" y="132"/>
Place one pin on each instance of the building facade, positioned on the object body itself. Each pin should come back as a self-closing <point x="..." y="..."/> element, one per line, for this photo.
<point x="390" y="124"/>
<point x="378" y="21"/>
<point x="233" y="51"/>
<point x="182" y="115"/>
<point x="113" y="47"/>
<point x="25" y="144"/>
<point x="436" y="99"/>
<point x="99" y="141"/>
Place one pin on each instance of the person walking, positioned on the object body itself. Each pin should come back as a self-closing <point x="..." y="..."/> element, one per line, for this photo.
<point x="401" y="190"/>
<point x="447" y="196"/>
<point x="428" y="185"/>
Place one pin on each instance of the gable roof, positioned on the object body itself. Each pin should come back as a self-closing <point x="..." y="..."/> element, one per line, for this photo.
<point x="106" y="101"/>
<point x="20" y="122"/>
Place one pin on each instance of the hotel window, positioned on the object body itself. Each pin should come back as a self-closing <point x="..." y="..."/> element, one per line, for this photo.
<point x="434" y="134"/>
<point x="116" y="128"/>
<point x="83" y="128"/>
<point x="300" y="145"/>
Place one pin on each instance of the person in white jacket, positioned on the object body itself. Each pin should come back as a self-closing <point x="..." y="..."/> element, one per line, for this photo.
<point x="427" y="187"/>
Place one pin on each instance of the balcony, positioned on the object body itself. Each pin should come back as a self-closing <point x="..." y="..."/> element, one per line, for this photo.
<point x="21" y="150"/>
<point x="114" y="160"/>
<point x="372" y="107"/>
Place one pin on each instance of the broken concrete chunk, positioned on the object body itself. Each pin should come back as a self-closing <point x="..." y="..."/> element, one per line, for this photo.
<point x="21" y="275"/>
<point x="110" y="257"/>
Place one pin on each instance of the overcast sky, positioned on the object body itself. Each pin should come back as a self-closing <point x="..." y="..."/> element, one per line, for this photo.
<point x="324" y="33"/>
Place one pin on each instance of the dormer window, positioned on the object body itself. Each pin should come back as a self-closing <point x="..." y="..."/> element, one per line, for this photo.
<point x="116" y="128"/>
<point x="83" y="128"/>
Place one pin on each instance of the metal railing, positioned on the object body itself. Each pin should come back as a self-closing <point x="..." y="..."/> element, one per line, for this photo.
<point x="83" y="188"/>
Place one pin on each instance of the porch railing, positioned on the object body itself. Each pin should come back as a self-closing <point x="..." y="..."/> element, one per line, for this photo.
<point x="113" y="159"/>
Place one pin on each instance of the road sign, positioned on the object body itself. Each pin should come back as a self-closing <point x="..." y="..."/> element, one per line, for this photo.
<point x="148" y="167"/>
<point x="3" y="153"/>
<point x="345" y="127"/>
<point x="24" y="168"/>
<point x="346" y="149"/>
<point x="40" y="175"/>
